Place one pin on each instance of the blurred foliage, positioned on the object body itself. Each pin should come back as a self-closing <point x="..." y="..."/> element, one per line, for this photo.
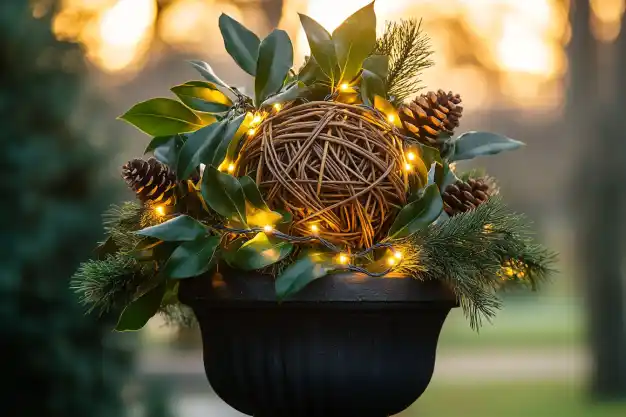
<point x="56" y="360"/>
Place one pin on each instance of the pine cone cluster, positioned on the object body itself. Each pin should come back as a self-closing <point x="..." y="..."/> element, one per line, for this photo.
<point x="463" y="196"/>
<point x="430" y="115"/>
<point x="151" y="180"/>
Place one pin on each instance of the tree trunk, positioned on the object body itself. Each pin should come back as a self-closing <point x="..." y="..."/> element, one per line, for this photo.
<point x="598" y="127"/>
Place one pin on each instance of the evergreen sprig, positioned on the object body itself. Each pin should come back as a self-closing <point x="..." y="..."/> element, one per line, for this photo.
<point x="108" y="283"/>
<point x="468" y="251"/>
<point x="409" y="51"/>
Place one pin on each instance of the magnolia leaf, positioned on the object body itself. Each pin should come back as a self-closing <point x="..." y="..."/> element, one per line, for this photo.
<point x="310" y="72"/>
<point x="180" y="228"/>
<point x="137" y="313"/>
<point x="192" y="258"/>
<point x="275" y="61"/>
<point x="302" y="272"/>
<point x="202" y="96"/>
<point x="232" y="151"/>
<point x="472" y="144"/>
<point x="383" y="105"/>
<point x="261" y="251"/>
<point x="418" y="214"/>
<point x="444" y="175"/>
<point x="371" y="86"/>
<point x="294" y="92"/>
<point x="200" y="146"/>
<point x="429" y="155"/>
<point x="322" y="47"/>
<point x="261" y="218"/>
<point x="233" y="132"/>
<point x="207" y="72"/>
<point x="162" y="117"/>
<point x="241" y="43"/>
<point x="378" y="64"/>
<point x="252" y="193"/>
<point x="354" y="41"/>
<point x="166" y="149"/>
<point x="223" y="193"/>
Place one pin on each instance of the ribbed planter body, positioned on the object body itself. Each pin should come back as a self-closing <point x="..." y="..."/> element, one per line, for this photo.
<point x="347" y="345"/>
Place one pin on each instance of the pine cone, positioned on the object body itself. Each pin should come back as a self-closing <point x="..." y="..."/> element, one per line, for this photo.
<point x="464" y="196"/>
<point x="151" y="180"/>
<point x="431" y="114"/>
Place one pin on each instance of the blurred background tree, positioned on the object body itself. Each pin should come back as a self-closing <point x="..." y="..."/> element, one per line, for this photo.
<point x="55" y="360"/>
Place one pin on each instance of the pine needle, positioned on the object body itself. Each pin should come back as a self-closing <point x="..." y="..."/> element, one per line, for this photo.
<point x="409" y="51"/>
<point x="468" y="251"/>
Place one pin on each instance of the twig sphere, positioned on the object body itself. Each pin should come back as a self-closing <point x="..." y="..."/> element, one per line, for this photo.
<point x="333" y="165"/>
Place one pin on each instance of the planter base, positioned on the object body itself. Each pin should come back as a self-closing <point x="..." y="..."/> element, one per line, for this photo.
<point x="325" y="358"/>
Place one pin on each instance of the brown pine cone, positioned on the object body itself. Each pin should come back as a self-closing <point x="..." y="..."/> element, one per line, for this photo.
<point x="151" y="180"/>
<point x="464" y="196"/>
<point x="430" y="115"/>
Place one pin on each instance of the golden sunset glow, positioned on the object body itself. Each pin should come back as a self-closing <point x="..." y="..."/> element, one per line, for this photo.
<point x="522" y="41"/>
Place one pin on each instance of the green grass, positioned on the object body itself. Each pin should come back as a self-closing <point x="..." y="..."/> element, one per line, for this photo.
<point x="523" y="323"/>
<point x="509" y="399"/>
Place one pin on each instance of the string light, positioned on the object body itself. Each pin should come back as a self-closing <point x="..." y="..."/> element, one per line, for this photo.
<point x="391" y="118"/>
<point x="342" y="258"/>
<point x="268" y="228"/>
<point x="277" y="107"/>
<point x="251" y="132"/>
<point x="257" y="119"/>
<point x="408" y="167"/>
<point x="314" y="228"/>
<point x="410" y="156"/>
<point x="159" y="210"/>
<point x="391" y="261"/>
<point x="398" y="255"/>
<point x="344" y="87"/>
<point x="231" y="168"/>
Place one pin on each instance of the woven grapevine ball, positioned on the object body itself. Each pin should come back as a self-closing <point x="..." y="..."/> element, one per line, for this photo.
<point x="337" y="168"/>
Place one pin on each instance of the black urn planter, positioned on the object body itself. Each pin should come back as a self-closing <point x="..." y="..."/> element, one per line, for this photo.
<point x="347" y="345"/>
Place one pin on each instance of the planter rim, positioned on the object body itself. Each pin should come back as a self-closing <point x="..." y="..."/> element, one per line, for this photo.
<point x="250" y="288"/>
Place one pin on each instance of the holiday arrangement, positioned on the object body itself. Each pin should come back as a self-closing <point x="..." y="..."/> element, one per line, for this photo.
<point x="341" y="165"/>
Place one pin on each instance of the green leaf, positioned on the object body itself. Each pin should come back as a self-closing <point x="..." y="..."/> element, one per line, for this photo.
<point x="371" y="86"/>
<point x="207" y="72"/>
<point x="444" y="176"/>
<point x="418" y="214"/>
<point x="178" y="229"/>
<point x="241" y="43"/>
<point x="472" y="144"/>
<point x="322" y="47"/>
<point x="292" y="93"/>
<point x="192" y="258"/>
<point x="275" y="60"/>
<point x="310" y="72"/>
<point x="233" y="146"/>
<point x="162" y="117"/>
<point x="384" y="106"/>
<point x="137" y="313"/>
<point x="302" y="272"/>
<point x="252" y="193"/>
<point x="354" y="41"/>
<point x="261" y="251"/>
<point x="429" y="155"/>
<point x="200" y="146"/>
<point x="378" y="64"/>
<point x="233" y="132"/>
<point x="223" y="193"/>
<point x="166" y="149"/>
<point x="202" y="96"/>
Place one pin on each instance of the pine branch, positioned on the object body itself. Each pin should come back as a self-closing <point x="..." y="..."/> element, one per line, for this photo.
<point x="110" y="283"/>
<point x="468" y="251"/>
<point x="409" y="54"/>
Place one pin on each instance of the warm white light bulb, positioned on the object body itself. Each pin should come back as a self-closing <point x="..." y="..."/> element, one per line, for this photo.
<point x="257" y="119"/>
<point x="398" y="255"/>
<point x="408" y="167"/>
<point x="410" y="156"/>
<point x="391" y="261"/>
<point x="344" y="87"/>
<point x="159" y="210"/>
<point x="267" y="228"/>
<point x="251" y="132"/>
<point x="343" y="259"/>
<point x="231" y="168"/>
<point x="277" y="107"/>
<point x="391" y="118"/>
<point x="314" y="228"/>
